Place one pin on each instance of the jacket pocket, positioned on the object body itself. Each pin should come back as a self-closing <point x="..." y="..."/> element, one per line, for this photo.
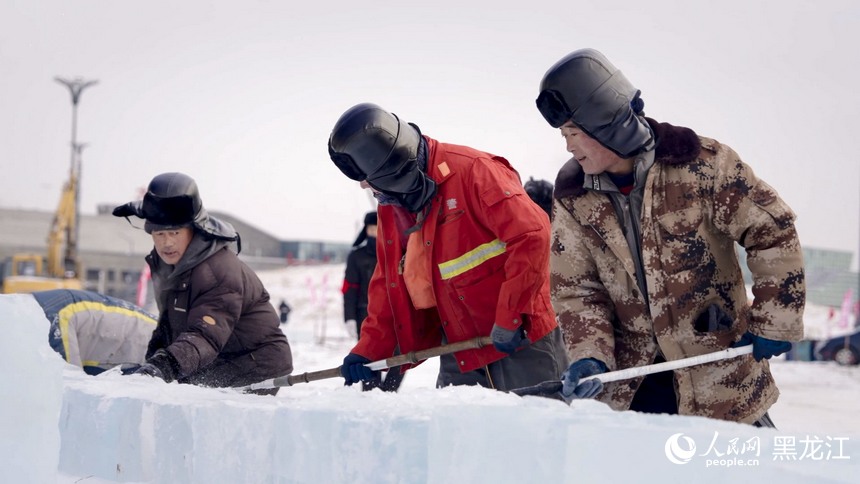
<point x="476" y="298"/>
<point x="714" y="328"/>
<point x="177" y="312"/>
<point x="451" y="217"/>
<point x="497" y="193"/>
<point x="713" y="319"/>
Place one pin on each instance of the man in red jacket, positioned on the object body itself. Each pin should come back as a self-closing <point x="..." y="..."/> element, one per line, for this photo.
<point x="462" y="253"/>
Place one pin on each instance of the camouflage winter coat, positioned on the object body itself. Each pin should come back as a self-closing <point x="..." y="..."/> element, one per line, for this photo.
<point x="699" y="199"/>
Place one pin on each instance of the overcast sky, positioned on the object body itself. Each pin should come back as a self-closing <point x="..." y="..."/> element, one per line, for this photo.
<point x="243" y="95"/>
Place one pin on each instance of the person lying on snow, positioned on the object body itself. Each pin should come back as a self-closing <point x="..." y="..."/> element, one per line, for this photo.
<point x="95" y="331"/>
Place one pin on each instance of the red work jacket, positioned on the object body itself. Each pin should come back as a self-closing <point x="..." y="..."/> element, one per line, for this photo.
<point x="480" y="257"/>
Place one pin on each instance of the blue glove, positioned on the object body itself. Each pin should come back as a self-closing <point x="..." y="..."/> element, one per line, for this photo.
<point x="508" y="340"/>
<point x="160" y="365"/>
<point x="354" y="371"/>
<point x="572" y="389"/>
<point x="763" y="348"/>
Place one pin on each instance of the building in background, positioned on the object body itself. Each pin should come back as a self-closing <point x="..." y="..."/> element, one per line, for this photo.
<point x="111" y="255"/>
<point x="828" y="275"/>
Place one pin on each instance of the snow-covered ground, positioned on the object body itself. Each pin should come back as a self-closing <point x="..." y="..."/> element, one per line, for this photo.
<point x="60" y="425"/>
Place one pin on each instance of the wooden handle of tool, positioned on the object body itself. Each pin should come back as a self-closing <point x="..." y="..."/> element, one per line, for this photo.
<point x="414" y="357"/>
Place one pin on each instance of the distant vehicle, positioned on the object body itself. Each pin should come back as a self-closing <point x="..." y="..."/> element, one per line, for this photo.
<point x="844" y="350"/>
<point x="60" y="267"/>
<point x="25" y="273"/>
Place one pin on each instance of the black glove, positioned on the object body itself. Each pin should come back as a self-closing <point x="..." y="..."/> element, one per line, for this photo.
<point x="763" y="348"/>
<point x="129" y="368"/>
<point x="572" y="389"/>
<point x="161" y="365"/>
<point x="354" y="371"/>
<point x="508" y="340"/>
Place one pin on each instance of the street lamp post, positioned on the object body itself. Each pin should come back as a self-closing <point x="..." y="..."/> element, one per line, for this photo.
<point x="76" y="87"/>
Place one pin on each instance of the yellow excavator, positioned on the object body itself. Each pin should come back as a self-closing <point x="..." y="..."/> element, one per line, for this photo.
<point x="60" y="268"/>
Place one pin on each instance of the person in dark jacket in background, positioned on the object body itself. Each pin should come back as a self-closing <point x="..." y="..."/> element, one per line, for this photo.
<point x="217" y="326"/>
<point x="95" y="331"/>
<point x="540" y="191"/>
<point x="360" y="264"/>
<point x="284" y="311"/>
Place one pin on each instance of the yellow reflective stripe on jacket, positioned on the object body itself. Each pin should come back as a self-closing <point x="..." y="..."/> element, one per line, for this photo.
<point x="66" y="314"/>
<point x="471" y="259"/>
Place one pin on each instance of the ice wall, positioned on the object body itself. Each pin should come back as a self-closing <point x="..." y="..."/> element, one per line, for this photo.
<point x="31" y="393"/>
<point x="58" y="421"/>
<point x="140" y="430"/>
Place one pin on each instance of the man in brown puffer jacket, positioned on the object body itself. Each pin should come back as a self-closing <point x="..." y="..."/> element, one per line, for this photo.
<point x="216" y="325"/>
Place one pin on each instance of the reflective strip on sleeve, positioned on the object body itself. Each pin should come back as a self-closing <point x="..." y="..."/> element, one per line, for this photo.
<point x="471" y="259"/>
<point x="67" y="313"/>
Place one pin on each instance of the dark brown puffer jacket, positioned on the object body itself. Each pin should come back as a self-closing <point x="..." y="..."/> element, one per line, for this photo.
<point x="218" y="324"/>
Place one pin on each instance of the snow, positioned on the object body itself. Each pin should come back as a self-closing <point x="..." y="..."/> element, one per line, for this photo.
<point x="60" y="425"/>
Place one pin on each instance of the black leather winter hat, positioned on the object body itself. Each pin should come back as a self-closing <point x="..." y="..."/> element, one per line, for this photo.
<point x="540" y="191"/>
<point x="585" y="88"/>
<point x="370" y="218"/>
<point x="370" y="143"/>
<point x="172" y="201"/>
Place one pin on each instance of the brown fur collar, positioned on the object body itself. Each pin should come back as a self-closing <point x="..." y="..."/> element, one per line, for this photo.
<point x="676" y="145"/>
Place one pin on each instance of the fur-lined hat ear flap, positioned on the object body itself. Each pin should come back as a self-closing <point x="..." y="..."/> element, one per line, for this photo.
<point x="128" y="209"/>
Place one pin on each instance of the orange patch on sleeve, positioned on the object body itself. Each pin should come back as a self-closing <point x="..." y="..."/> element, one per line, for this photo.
<point x="209" y="320"/>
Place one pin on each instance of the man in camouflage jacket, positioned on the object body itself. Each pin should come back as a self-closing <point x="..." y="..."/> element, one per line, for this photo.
<point x="643" y="266"/>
